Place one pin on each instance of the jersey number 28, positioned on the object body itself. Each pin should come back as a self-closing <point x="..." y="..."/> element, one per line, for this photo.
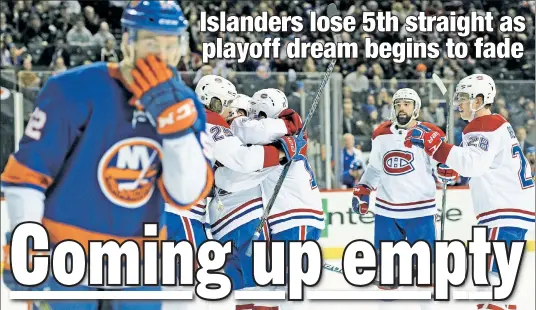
<point x="526" y="181"/>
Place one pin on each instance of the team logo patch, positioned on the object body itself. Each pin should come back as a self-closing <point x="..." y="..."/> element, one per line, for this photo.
<point x="127" y="171"/>
<point x="398" y="162"/>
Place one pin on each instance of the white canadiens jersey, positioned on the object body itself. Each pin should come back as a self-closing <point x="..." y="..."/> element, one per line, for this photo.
<point x="501" y="184"/>
<point x="403" y="177"/>
<point x="298" y="202"/>
<point x="230" y="152"/>
<point x="229" y="211"/>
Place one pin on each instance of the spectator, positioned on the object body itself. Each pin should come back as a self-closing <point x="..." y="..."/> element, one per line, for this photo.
<point x="41" y="10"/>
<point x="521" y="134"/>
<point x="104" y="34"/>
<point x="28" y="78"/>
<point x="91" y="19"/>
<point x="504" y="113"/>
<point x="59" y="66"/>
<point x="434" y="114"/>
<point x="282" y="84"/>
<point x="108" y="53"/>
<point x="73" y="7"/>
<point x="352" y="176"/>
<point x="531" y="157"/>
<point x="370" y="105"/>
<point x="350" y="123"/>
<point x="5" y="54"/>
<point x="11" y="55"/>
<point x="349" y="153"/>
<point x="357" y="80"/>
<point x="79" y="35"/>
<point x="295" y="97"/>
<point x="52" y="52"/>
<point x="309" y="65"/>
<point x="204" y="70"/>
<point x="383" y="101"/>
<point x="5" y="28"/>
<point x="64" y="21"/>
<point x="35" y="32"/>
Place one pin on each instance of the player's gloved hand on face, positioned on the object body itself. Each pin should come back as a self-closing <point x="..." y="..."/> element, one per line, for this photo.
<point x="360" y="201"/>
<point x="7" y="276"/>
<point x="292" y="146"/>
<point x="174" y="108"/>
<point x="425" y="138"/>
<point x="292" y="120"/>
<point x="446" y="174"/>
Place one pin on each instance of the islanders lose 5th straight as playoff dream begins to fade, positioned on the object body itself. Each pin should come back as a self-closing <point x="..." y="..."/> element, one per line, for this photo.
<point x="195" y="120"/>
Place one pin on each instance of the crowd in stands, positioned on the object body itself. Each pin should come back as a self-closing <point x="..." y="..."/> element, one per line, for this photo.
<point x="51" y="36"/>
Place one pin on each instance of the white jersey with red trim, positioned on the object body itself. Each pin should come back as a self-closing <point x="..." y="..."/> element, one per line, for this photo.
<point x="228" y="211"/>
<point x="232" y="153"/>
<point x="501" y="184"/>
<point x="298" y="202"/>
<point x="403" y="177"/>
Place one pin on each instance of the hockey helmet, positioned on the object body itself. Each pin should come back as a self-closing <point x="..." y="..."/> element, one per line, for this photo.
<point x="242" y="102"/>
<point x="215" y="92"/>
<point x="163" y="17"/>
<point x="472" y="86"/>
<point x="268" y="103"/>
<point x="405" y="94"/>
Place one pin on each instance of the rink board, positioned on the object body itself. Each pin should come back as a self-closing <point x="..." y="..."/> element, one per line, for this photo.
<point x="342" y="225"/>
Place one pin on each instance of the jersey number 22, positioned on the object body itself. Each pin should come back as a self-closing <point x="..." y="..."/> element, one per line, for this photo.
<point x="526" y="181"/>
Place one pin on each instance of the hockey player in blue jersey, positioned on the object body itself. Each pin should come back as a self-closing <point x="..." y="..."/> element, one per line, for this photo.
<point x="108" y="144"/>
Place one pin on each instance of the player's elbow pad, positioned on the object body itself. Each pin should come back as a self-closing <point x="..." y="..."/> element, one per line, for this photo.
<point x="24" y="205"/>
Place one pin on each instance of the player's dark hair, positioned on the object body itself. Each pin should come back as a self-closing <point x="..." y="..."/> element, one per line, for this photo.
<point x="487" y="105"/>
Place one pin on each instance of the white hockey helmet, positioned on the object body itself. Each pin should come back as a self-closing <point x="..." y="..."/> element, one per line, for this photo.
<point x="268" y="103"/>
<point x="406" y="94"/>
<point x="472" y="86"/>
<point x="242" y="102"/>
<point x="215" y="92"/>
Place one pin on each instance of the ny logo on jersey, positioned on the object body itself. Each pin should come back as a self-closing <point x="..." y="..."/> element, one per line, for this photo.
<point x="127" y="172"/>
<point x="398" y="162"/>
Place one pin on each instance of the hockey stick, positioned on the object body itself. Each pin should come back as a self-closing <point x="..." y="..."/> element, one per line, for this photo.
<point x="443" y="90"/>
<point x="331" y="11"/>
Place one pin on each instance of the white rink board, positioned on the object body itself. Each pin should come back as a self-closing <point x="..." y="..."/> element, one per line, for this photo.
<point x="344" y="226"/>
<point x="524" y="295"/>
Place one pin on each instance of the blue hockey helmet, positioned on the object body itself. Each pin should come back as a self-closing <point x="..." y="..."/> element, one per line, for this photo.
<point x="163" y="17"/>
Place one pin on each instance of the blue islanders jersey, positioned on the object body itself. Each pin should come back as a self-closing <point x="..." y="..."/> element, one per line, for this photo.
<point x="96" y="159"/>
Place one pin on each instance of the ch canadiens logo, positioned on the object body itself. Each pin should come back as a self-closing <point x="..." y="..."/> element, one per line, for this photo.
<point x="398" y="162"/>
<point x="127" y="171"/>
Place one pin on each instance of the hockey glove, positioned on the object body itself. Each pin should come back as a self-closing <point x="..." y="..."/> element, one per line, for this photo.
<point x="292" y="120"/>
<point x="292" y="146"/>
<point x="425" y="138"/>
<point x="7" y="275"/>
<point x="174" y="108"/>
<point x="360" y="201"/>
<point x="446" y="174"/>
